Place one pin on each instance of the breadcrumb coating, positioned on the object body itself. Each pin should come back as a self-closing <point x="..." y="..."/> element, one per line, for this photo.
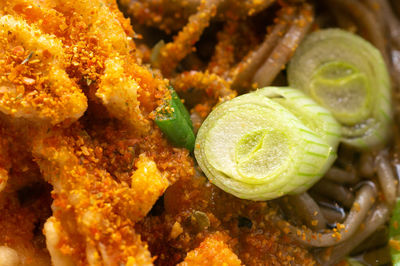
<point x="33" y="81"/>
<point x="94" y="211"/>
<point x="254" y="237"/>
<point x="212" y="251"/>
<point x="71" y="55"/>
<point x="96" y="200"/>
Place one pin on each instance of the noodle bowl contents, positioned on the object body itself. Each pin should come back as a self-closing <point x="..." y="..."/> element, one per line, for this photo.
<point x="199" y="132"/>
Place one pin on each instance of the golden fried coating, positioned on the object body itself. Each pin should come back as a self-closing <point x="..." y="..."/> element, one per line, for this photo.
<point x="91" y="210"/>
<point x="195" y="210"/>
<point x="33" y="81"/>
<point x="116" y="79"/>
<point x="148" y="183"/>
<point x="122" y="102"/>
<point x="96" y="200"/>
<point x="15" y="157"/>
<point x="100" y="55"/>
<point x="212" y="251"/>
<point x="25" y="198"/>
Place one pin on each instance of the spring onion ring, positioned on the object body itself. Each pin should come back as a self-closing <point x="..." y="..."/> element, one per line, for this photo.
<point x="258" y="147"/>
<point x="347" y="75"/>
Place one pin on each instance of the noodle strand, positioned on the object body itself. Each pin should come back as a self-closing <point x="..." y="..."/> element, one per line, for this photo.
<point x="335" y="192"/>
<point x="245" y="70"/>
<point x="286" y="47"/>
<point x="377" y="218"/>
<point x="364" y="200"/>
<point x="386" y="178"/>
<point x="309" y="210"/>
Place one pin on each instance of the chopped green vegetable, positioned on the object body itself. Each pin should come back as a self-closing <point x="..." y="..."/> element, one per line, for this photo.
<point x="394" y="234"/>
<point x="174" y="121"/>
<point x="347" y="75"/>
<point x="267" y="143"/>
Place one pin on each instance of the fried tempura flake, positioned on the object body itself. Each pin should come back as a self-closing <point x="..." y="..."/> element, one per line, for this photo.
<point x="52" y="231"/>
<point x="123" y="102"/>
<point x="60" y="57"/>
<point x="92" y="211"/>
<point x="148" y="183"/>
<point x="33" y="81"/>
<point x="99" y="55"/>
<point x="212" y="251"/>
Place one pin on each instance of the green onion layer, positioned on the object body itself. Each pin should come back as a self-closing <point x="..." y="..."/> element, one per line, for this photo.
<point x="268" y="143"/>
<point x="174" y="121"/>
<point x="347" y="75"/>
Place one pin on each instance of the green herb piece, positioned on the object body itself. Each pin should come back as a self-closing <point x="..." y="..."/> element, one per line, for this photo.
<point x="174" y="121"/>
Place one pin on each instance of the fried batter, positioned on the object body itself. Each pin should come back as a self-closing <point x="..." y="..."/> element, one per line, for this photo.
<point x="100" y="55"/>
<point x="91" y="210"/>
<point x="212" y="251"/>
<point x="254" y="237"/>
<point x="97" y="202"/>
<point x="33" y="81"/>
<point x="83" y="48"/>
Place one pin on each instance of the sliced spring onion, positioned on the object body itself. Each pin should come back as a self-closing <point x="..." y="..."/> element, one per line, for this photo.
<point x="315" y="117"/>
<point x="174" y="121"/>
<point x="394" y="234"/>
<point x="261" y="145"/>
<point x="348" y="76"/>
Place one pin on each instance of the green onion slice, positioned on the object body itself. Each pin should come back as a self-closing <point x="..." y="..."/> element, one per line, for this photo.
<point x="394" y="234"/>
<point x="264" y="144"/>
<point x="348" y="76"/>
<point x="174" y="121"/>
<point x="315" y="117"/>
